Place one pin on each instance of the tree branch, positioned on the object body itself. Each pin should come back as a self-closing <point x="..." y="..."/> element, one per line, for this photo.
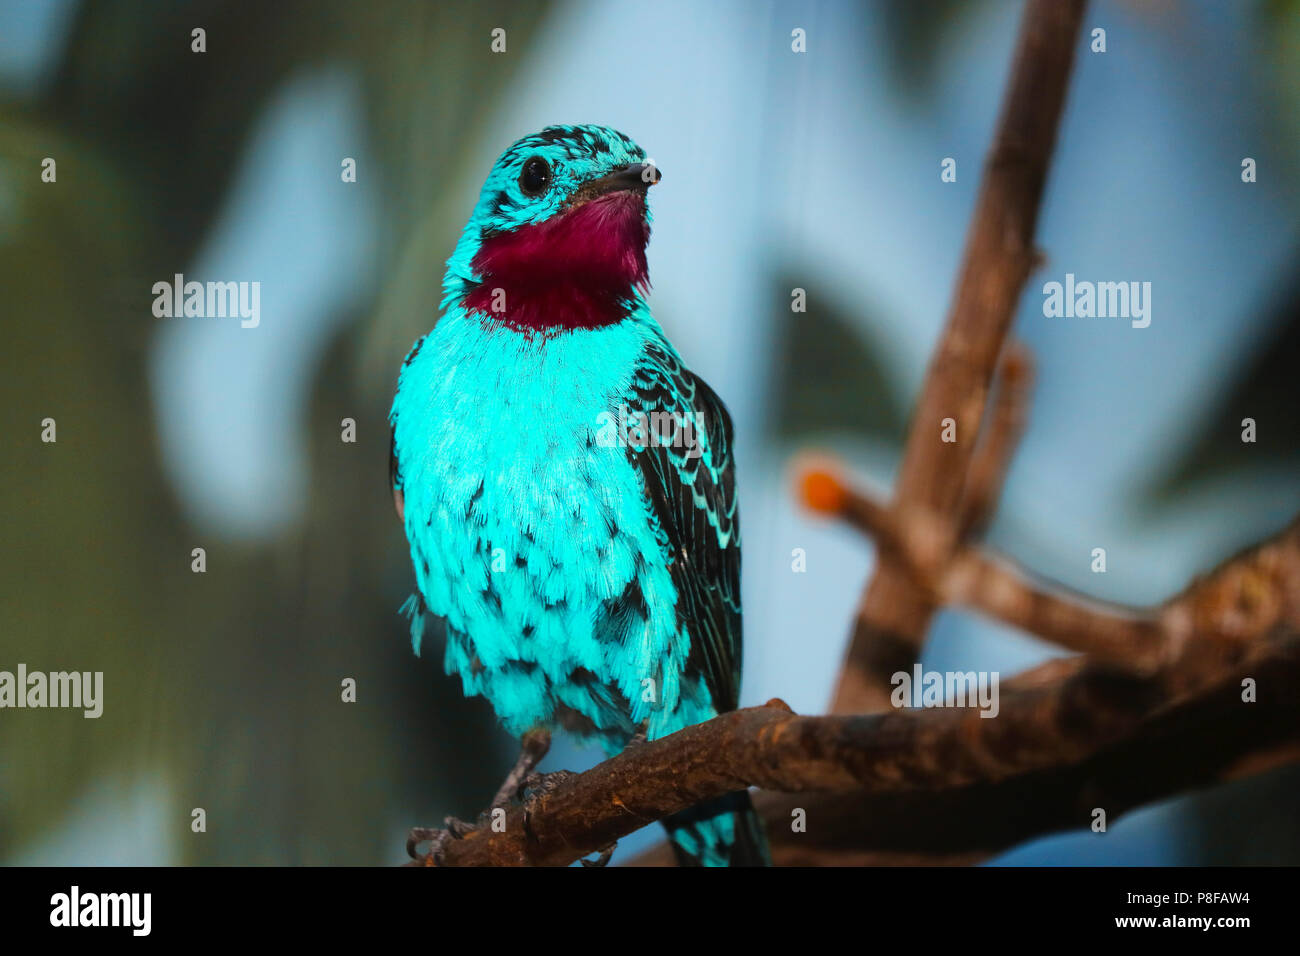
<point x="1132" y="638"/>
<point x="1206" y="741"/>
<point x="944" y="761"/>
<point x="894" y="614"/>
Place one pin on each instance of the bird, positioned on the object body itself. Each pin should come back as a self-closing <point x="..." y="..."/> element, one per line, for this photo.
<point x="566" y="484"/>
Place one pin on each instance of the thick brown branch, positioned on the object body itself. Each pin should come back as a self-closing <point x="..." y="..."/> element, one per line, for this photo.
<point x="893" y="615"/>
<point x="879" y="758"/>
<point x="1208" y="740"/>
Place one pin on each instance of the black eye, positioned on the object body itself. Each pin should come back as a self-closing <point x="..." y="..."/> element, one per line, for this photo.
<point x="536" y="176"/>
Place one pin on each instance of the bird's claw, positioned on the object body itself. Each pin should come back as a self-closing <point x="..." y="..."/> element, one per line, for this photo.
<point x="453" y="828"/>
<point x="538" y="785"/>
<point x="458" y="828"/>
<point x="521" y="784"/>
<point x="436" y="839"/>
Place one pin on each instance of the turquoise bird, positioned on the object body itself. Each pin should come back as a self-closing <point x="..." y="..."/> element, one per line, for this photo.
<point x="566" y="484"/>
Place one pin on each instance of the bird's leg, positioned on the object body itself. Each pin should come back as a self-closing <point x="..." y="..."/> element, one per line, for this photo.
<point x="532" y="748"/>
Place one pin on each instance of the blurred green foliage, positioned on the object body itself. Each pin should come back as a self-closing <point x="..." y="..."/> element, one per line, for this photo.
<point x="828" y="376"/>
<point x="1266" y="391"/>
<point x="227" y="682"/>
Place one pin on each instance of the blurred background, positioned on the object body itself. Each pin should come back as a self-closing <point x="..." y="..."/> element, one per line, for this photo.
<point x="818" y="170"/>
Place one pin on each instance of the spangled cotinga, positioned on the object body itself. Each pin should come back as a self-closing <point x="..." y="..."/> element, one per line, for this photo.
<point x="566" y="484"/>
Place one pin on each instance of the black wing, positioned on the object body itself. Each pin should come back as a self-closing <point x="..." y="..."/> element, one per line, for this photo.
<point x="692" y="494"/>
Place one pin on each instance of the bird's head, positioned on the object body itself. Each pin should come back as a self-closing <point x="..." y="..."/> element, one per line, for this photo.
<point x="559" y="234"/>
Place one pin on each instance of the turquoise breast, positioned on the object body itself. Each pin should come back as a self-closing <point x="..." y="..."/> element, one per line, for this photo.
<point x="531" y="536"/>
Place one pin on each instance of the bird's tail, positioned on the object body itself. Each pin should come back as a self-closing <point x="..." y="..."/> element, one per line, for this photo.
<point x="722" y="832"/>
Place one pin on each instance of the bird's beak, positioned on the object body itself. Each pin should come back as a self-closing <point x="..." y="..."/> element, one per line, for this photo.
<point x="635" y="177"/>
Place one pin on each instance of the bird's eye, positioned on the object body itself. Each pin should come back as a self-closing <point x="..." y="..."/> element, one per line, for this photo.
<point x="536" y="176"/>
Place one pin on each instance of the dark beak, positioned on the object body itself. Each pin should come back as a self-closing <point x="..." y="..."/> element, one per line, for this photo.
<point x="634" y="177"/>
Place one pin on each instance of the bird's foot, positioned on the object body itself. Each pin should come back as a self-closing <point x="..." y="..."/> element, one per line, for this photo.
<point x="453" y="828"/>
<point x="522" y="783"/>
<point x="459" y="828"/>
<point x="533" y="746"/>
<point x="539" y="785"/>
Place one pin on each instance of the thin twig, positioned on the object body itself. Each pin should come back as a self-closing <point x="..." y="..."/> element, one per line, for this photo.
<point x="998" y="443"/>
<point x="1130" y="638"/>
